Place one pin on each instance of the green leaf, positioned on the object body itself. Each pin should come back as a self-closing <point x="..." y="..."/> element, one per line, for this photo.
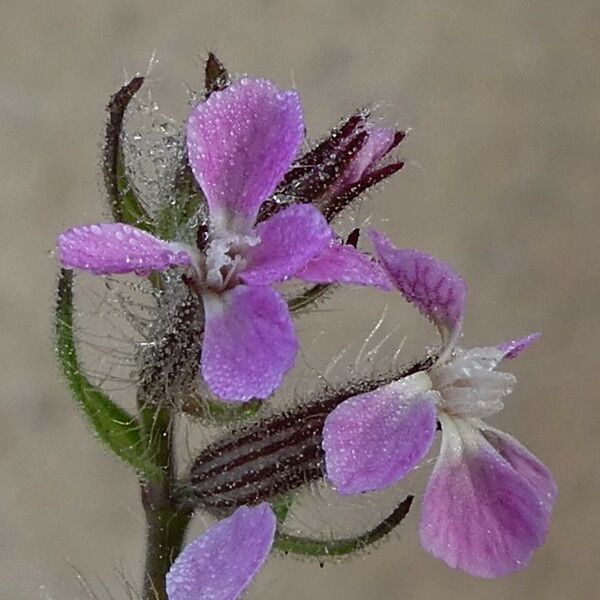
<point x="119" y="430"/>
<point x="315" y="547"/>
<point x="124" y="206"/>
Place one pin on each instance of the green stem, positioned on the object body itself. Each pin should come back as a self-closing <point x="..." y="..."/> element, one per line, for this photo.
<point x="166" y="528"/>
<point x="166" y="523"/>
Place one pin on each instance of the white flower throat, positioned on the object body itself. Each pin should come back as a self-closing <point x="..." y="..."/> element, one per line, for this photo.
<point x="225" y="256"/>
<point x="466" y="385"/>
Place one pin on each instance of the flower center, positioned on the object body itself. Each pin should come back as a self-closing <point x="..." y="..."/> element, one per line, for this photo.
<point x="469" y="385"/>
<point x="225" y="257"/>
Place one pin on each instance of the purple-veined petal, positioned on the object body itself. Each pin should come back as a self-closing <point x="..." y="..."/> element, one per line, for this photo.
<point x="249" y="342"/>
<point x="434" y="287"/>
<point x="240" y="143"/>
<point x="342" y="263"/>
<point x="222" y="562"/>
<point x="525" y="463"/>
<point x="373" y="440"/>
<point x="288" y="240"/>
<point x="112" y="248"/>
<point x="516" y="347"/>
<point x="479" y="513"/>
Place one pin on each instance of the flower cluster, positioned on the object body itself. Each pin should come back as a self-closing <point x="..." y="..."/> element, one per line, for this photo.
<point x="488" y="502"/>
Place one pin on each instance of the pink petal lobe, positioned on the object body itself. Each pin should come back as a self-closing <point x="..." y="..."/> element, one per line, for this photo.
<point x="525" y="463"/>
<point x="240" y="143"/>
<point x="112" y="248"/>
<point x="373" y="440"/>
<point x="516" y="347"/>
<point x="431" y="285"/>
<point x="479" y="513"/>
<point x="249" y="342"/>
<point x="223" y="561"/>
<point x="288" y="240"/>
<point x="342" y="263"/>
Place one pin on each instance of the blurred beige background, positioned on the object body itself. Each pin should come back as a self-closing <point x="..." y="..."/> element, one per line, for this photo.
<point x="503" y="98"/>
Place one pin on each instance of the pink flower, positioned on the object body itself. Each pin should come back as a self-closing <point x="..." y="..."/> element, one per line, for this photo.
<point x="488" y="502"/>
<point x="241" y="141"/>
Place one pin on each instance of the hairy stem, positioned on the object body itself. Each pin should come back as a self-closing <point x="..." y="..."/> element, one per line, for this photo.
<point x="166" y="523"/>
<point x="166" y="527"/>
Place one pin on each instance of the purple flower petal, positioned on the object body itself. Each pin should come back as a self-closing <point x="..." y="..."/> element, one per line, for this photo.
<point x="516" y="347"/>
<point x="342" y="263"/>
<point x="240" y="143"/>
<point x="111" y="248"/>
<point x="433" y="286"/>
<point x="359" y="163"/>
<point x="249" y="342"/>
<point x="288" y="240"/>
<point x="373" y="440"/>
<point x="480" y="514"/>
<point x="379" y="142"/>
<point x="525" y="463"/>
<point x="222" y="562"/>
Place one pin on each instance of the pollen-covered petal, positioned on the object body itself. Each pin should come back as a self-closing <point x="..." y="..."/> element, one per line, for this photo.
<point x="525" y="463"/>
<point x="241" y="141"/>
<point x="373" y="440"/>
<point x="342" y="263"/>
<point x="479" y="513"/>
<point x="516" y="347"/>
<point x="112" y="248"/>
<point x="223" y="561"/>
<point x="249" y="342"/>
<point x="288" y="240"/>
<point x="434" y="287"/>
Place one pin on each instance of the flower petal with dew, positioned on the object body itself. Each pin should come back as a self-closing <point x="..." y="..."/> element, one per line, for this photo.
<point x="240" y="142"/>
<point x="480" y="514"/>
<point x="249" y="342"/>
<point x="514" y="348"/>
<point x="431" y="285"/>
<point x="288" y="240"/>
<point x="524" y="462"/>
<point x="488" y="502"/>
<point x="111" y="248"/>
<point x="373" y="440"/>
<point x="223" y="561"/>
<point x="342" y="263"/>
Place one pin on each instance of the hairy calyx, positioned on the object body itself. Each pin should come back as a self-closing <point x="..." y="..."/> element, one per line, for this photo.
<point x="275" y="455"/>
